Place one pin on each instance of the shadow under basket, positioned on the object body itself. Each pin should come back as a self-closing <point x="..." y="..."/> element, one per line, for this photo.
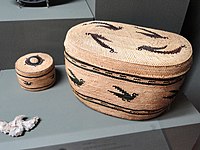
<point x="125" y="71"/>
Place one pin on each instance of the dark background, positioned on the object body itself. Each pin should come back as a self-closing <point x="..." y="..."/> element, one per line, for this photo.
<point x="191" y="30"/>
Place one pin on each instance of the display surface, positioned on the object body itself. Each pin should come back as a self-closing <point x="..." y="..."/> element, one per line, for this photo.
<point x="75" y="9"/>
<point x="35" y="71"/>
<point x="124" y="70"/>
<point x="64" y="119"/>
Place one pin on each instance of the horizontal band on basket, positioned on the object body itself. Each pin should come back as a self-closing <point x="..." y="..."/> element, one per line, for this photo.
<point x="36" y="76"/>
<point x="121" y="76"/>
<point x="38" y="88"/>
<point x="117" y="107"/>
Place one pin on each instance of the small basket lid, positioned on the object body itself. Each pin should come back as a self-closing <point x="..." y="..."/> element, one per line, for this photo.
<point x="34" y="64"/>
<point x="130" y="49"/>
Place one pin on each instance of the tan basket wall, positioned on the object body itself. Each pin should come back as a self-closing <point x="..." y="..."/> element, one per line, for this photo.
<point x="37" y="83"/>
<point x="153" y="96"/>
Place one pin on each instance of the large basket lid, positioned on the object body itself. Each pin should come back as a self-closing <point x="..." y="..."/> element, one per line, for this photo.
<point x="129" y="49"/>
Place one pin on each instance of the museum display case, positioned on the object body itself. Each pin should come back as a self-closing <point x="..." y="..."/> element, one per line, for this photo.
<point x="66" y="123"/>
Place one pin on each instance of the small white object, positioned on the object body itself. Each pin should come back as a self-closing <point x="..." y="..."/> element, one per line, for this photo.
<point x="18" y="126"/>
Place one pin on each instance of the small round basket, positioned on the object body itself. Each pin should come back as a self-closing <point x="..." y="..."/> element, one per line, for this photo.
<point x="35" y="71"/>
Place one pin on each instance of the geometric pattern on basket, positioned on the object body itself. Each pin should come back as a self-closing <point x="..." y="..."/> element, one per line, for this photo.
<point x="35" y="76"/>
<point x="119" y="75"/>
<point x="38" y="62"/>
<point x="118" y="107"/>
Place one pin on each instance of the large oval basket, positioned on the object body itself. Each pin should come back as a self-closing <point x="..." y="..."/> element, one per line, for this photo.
<point x="123" y="70"/>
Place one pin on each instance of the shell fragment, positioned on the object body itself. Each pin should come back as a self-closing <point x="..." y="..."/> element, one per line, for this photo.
<point x="18" y="126"/>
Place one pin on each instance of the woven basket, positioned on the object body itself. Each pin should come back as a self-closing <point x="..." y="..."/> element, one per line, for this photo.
<point x="35" y="71"/>
<point x="123" y="70"/>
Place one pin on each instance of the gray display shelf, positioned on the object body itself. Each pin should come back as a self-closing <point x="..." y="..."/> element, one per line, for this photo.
<point x="64" y="119"/>
<point x="33" y="29"/>
<point x="76" y="9"/>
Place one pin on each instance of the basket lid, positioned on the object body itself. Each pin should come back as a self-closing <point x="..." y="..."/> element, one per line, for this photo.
<point x="34" y="64"/>
<point x="129" y="48"/>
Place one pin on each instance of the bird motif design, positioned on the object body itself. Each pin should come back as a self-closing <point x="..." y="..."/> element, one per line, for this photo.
<point x="99" y="39"/>
<point x="154" y="35"/>
<point x="105" y="25"/>
<point x="173" y="95"/>
<point x="125" y="96"/>
<point x="27" y="83"/>
<point x="157" y="49"/>
<point x="75" y="80"/>
<point x="150" y="34"/>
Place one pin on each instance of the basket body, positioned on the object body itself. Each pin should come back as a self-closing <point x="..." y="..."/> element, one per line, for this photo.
<point x="126" y="71"/>
<point x="35" y="71"/>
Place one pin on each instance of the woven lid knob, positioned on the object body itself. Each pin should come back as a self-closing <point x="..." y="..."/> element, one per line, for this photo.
<point x="34" y="60"/>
